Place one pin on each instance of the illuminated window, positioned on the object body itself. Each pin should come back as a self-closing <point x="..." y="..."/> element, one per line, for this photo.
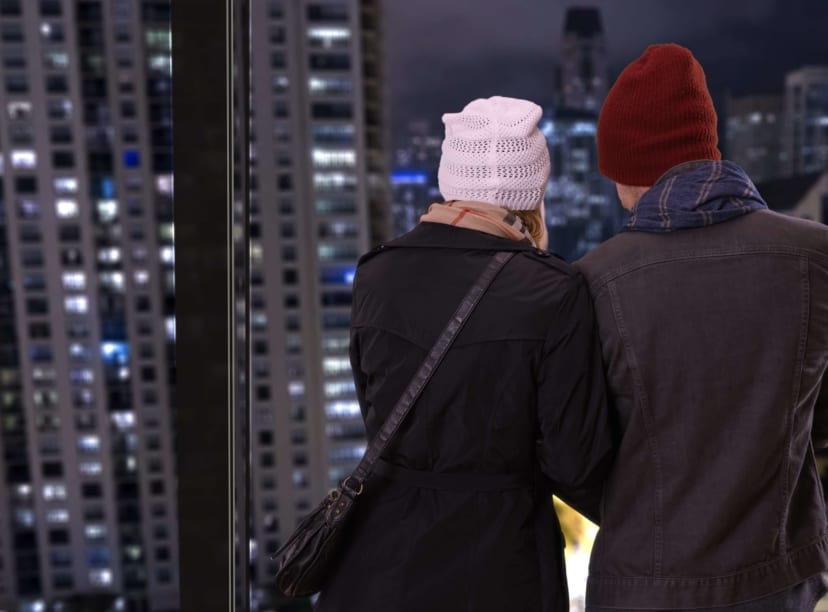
<point x="158" y="39"/>
<point x="113" y="280"/>
<point x="19" y="110"/>
<point x="54" y="491"/>
<point x="89" y="444"/>
<point x="81" y="377"/>
<point x="74" y="281"/>
<point x="67" y="209"/>
<point x="169" y="326"/>
<point x="336" y="365"/>
<point x="90" y="468"/>
<point x="23" y="159"/>
<point x="57" y="516"/>
<point x="100" y="577"/>
<point x="107" y="210"/>
<point x="334" y="157"/>
<point x="339" y="388"/>
<point x="123" y="420"/>
<point x="168" y="255"/>
<point x="95" y="532"/>
<point x="324" y="181"/>
<point x="296" y="388"/>
<point x="280" y="84"/>
<point x="160" y="63"/>
<point x="330" y="86"/>
<point x="56" y="59"/>
<point x="109" y="255"/>
<point x="141" y="277"/>
<point x="76" y="304"/>
<point x="328" y="38"/>
<point x="342" y="409"/>
<point x="164" y="183"/>
<point x="66" y="185"/>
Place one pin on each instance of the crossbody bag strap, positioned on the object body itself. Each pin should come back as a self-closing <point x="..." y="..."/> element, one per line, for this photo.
<point x="355" y="483"/>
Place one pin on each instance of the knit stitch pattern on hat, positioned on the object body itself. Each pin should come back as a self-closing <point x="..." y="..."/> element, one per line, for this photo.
<point x="494" y="152"/>
<point x="657" y="115"/>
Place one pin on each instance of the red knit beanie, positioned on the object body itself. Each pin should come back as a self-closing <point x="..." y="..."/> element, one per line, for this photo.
<point x="658" y="114"/>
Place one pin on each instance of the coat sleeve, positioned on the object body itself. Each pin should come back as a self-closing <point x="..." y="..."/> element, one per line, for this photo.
<point x="576" y="447"/>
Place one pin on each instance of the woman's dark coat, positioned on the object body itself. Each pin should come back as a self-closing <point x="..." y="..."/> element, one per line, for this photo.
<point x="522" y="387"/>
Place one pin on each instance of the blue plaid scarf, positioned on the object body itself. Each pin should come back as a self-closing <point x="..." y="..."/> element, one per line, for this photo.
<point x="695" y="194"/>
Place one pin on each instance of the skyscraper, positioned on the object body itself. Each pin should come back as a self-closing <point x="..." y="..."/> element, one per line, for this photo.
<point x="86" y="364"/>
<point x="754" y="135"/>
<point x="805" y="136"/>
<point x="584" y="77"/>
<point x="318" y="118"/>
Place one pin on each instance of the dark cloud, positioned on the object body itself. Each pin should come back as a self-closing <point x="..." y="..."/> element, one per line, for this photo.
<point x="443" y="53"/>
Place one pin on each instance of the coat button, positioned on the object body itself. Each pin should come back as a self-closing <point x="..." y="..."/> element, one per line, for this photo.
<point x="541" y="252"/>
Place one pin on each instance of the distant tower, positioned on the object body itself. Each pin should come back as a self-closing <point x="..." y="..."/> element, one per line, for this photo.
<point x="805" y="135"/>
<point x="584" y="74"/>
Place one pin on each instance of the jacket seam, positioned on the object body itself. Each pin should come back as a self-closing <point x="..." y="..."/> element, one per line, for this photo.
<point x="799" y="367"/>
<point x="599" y="285"/>
<point x="642" y="405"/>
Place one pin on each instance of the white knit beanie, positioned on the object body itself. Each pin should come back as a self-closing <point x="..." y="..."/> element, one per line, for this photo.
<point x="494" y="152"/>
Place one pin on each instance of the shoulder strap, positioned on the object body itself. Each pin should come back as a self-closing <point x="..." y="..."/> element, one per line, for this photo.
<point x="356" y="481"/>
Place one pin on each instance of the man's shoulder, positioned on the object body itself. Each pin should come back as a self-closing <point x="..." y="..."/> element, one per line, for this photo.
<point x="798" y="232"/>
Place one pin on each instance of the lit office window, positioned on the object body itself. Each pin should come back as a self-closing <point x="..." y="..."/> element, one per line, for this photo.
<point x="107" y="210"/>
<point x="90" y="468"/>
<point x="328" y="38"/>
<point x="336" y="365"/>
<point x="57" y="515"/>
<point x="141" y="277"/>
<point x="160" y="63"/>
<point x="24" y="517"/>
<point x="330" y="86"/>
<point x="164" y="183"/>
<point x="67" y="209"/>
<point x="74" y="281"/>
<point x="89" y="444"/>
<point x="83" y="376"/>
<point x="339" y="388"/>
<point x="324" y="158"/>
<point x="123" y="420"/>
<point x="76" y="304"/>
<point x="19" y="110"/>
<point x="169" y="325"/>
<point x="109" y="255"/>
<point x="95" y="531"/>
<point x="334" y="181"/>
<point x="100" y="577"/>
<point x="54" y="491"/>
<point x="113" y="280"/>
<point x="168" y="255"/>
<point x="23" y="159"/>
<point x="339" y="410"/>
<point x="56" y="59"/>
<point x="66" y="185"/>
<point x="296" y="388"/>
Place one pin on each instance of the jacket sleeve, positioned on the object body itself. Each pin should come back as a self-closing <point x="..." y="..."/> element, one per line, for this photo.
<point x="576" y="447"/>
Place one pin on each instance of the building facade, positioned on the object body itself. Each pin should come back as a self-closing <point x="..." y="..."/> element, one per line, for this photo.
<point x="581" y="208"/>
<point x="88" y="492"/>
<point x="584" y="70"/>
<point x="754" y="135"/>
<point x="320" y="197"/>
<point x="805" y="136"/>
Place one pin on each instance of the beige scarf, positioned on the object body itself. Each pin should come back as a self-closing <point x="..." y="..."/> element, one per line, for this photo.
<point x="479" y="216"/>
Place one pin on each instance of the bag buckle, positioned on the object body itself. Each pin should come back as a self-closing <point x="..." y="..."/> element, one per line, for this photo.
<point x="350" y="485"/>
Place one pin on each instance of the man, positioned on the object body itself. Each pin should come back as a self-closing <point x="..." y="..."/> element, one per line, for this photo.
<point x="713" y="317"/>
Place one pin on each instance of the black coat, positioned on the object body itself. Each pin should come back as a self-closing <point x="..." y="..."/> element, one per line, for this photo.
<point x="522" y="388"/>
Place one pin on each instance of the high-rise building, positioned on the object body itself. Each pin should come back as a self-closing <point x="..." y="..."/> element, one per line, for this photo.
<point x="584" y="72"/>
<point x="805" y="136"/>
<point x="754" y="135"/>
<point x="581" y="210"/>
<point x="320" y="197"/>
<point x="414" y="179"/>
<point x="86" y="305"/>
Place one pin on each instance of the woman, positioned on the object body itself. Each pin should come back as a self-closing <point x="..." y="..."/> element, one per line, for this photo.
<point x="522" y="388"/>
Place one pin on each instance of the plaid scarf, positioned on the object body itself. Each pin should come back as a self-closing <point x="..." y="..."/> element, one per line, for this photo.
<point x="479" y="216"/>
<point x="695" y="194"/>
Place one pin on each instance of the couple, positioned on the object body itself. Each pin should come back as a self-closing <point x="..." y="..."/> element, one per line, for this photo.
<point x="670" y="385"/>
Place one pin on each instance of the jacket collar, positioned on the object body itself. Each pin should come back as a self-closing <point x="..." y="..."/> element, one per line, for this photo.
<point x="439" y="235"/>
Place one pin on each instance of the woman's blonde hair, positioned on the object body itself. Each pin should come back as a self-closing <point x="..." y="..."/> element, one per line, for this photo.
<point x="533" y="220"/>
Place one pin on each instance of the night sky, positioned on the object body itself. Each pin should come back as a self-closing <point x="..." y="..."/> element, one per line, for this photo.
<point x="443" y="53"/>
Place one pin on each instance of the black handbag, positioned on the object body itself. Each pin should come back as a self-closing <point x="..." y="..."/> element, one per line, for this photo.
<point x="307" y="556"/>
